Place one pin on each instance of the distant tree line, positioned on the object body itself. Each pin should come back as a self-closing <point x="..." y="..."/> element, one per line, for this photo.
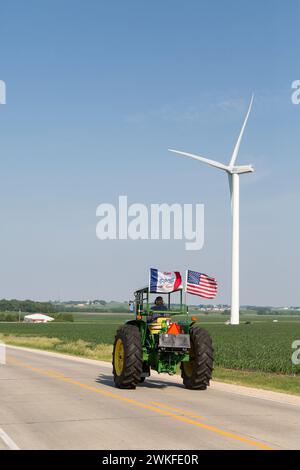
<point x="280" y="312"/>
<point x="76" y="302"/>
<point x="107" y="309"/>
<point x="63" y="317"/>
<point x="28" y="306"/>
<point x="11" y="316"/>
<point x="259" y="310"/>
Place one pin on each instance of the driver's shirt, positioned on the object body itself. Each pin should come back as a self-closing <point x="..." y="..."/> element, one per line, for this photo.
<point x="154" y="317"/>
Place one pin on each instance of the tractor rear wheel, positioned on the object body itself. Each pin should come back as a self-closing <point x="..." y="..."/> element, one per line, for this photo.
<point x="197" y="372"/>
<point x="127" y="357"/>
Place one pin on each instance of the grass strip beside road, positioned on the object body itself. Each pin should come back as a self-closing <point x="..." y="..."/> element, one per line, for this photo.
<point x="102" y="352"/>
<point x="264" y="380"/>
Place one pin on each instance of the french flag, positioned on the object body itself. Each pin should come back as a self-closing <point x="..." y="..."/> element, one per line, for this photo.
<point x="164" y="282"/>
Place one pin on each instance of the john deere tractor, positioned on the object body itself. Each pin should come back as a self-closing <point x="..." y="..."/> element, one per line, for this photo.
<point x="154" y="340"/>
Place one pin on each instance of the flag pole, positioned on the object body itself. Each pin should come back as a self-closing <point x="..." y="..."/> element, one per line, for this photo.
<point x="185" y="292"/>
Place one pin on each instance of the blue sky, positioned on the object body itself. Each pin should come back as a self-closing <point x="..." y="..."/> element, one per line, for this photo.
<point x="96" y="93"/>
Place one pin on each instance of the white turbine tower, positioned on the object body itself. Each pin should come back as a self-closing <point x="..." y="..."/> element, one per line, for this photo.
<point x="233" y="172"/>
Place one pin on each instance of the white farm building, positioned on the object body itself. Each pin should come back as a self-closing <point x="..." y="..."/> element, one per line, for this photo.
<point x="37" y="318"/>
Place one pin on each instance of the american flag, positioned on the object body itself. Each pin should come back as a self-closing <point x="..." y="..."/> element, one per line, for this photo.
<point x="201" y="284"/>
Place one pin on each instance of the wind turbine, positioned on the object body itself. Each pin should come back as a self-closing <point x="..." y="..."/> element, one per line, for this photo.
<point x="233" y="172"/>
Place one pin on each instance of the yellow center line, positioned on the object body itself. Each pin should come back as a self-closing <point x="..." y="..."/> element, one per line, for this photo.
<point x="221" y="432"/>
<point x="177" y="410"/>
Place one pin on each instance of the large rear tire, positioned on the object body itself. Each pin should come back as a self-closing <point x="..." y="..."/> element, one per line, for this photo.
<point x="197" y="372"/>
<point x="127" y="357"/>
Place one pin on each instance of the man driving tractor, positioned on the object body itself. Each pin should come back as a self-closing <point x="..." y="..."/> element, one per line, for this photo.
<point x="159" y="306"/>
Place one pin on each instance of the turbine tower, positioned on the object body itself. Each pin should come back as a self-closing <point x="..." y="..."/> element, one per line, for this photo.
<point x="234" y="173"/>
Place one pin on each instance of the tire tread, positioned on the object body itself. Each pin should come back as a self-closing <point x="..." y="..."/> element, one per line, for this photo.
<point x="133" y="363"/>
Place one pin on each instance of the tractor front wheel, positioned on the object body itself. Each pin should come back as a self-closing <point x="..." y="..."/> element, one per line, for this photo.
<point x="197" y="372"/>
<point x="127" y="357"/>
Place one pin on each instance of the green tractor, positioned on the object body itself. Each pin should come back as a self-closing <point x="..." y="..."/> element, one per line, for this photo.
<point x="153" y="340"/>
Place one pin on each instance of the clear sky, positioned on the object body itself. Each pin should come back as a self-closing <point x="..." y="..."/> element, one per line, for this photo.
<point x="96" y="93"/>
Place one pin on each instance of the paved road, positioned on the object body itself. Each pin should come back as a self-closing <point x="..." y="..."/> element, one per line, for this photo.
<point x="56" y="402"/>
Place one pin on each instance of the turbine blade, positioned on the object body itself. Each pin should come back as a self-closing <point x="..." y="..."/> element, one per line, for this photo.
<point x="238" y="143"/>
<point x="201" y="159"/>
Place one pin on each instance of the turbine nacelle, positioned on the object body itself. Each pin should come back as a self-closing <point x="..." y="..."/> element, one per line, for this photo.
<point x="236" y="169"/>
<point x="240" y="169"/>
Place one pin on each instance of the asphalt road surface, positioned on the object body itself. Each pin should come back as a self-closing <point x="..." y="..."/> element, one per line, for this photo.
<point x="50" y="401"/>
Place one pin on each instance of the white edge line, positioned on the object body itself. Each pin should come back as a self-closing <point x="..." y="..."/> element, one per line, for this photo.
<point x="8" y="440"/>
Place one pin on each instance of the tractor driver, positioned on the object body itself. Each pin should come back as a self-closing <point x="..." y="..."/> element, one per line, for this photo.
<point x="158" y="305"/>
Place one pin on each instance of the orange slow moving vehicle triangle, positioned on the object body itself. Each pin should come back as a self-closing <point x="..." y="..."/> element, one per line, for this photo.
<point x="174" y="329"/>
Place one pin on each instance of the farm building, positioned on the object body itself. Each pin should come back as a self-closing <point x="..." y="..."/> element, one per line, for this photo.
<point x="37" y="318"/>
